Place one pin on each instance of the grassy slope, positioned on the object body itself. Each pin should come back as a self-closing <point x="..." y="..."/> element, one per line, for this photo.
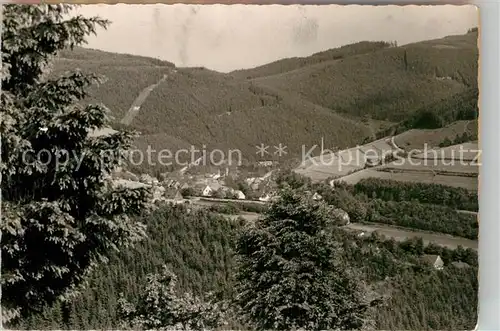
<point x="379" y="84"/>
<point x="417" y="138"/>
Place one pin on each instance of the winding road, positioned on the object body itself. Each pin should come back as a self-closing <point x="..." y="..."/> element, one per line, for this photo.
<point x="398" y="233"/>
<point x="401" y="234"/>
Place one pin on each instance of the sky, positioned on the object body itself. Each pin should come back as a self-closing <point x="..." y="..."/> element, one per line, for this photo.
<point x="226" y="38"/>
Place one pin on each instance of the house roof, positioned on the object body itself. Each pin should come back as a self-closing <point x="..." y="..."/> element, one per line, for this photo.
<point x="102" y="132"/>
<point x="129" y="183"/>
<point x="173" y="194"/>
<point x="431" y="258"/>
<point x="125" y="175"/>
<point x="214" y="186"/>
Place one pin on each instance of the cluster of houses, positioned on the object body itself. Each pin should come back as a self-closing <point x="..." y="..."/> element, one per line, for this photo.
<point x="161" y="191"/>
<point x="172" y="187"/>
<point x="214" y="188"/>
<point x="175" y="190"/>
<point x="216" y="185"/>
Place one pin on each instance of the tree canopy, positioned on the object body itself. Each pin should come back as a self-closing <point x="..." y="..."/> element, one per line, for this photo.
<point x="290" y="273"/>
<point x="161" y="308"/>
<point x="60" y="215"/>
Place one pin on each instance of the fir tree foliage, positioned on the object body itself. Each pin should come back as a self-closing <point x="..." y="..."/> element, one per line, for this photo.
<point x="290" y="274"/>
<point x="59" y="215"/>
<point x="161" y="308"/>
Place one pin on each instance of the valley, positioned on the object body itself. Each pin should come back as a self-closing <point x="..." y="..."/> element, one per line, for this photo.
<point x="339" y="187"/>
<point x="281" y="102"/>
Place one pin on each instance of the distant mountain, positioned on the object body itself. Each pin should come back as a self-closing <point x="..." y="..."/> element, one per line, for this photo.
<point x="285" y="65"/>
<point x="386" y="84"/>
<point x="342" y="95"/>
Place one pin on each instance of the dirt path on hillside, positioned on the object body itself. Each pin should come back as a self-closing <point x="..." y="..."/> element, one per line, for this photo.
<point x="136" y="105"/>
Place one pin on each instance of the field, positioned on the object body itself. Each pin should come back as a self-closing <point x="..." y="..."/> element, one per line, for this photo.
<point x="419" y="138"/>
<point x="464" y="152"/>
<point x="418" y="174"/>
<point x="344" y="162"/>
<point x="442" y="166"/>
<point x="402" y="176"/>
<point x="470" y="183"/>
<point x="399" y="234"/>
<point x="461" y="160"/>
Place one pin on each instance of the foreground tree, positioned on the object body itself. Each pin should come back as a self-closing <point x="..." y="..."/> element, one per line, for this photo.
<point x="161" y="308"/>
<point x="59" y="216"/>
<point x="290" y="274"/>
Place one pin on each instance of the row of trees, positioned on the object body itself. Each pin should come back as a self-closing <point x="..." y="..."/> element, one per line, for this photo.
<point x="423" y="217"/>
<point x="459" y="139"/>
<point x="436" y="194"/>
<point x="420" y="206"/>
<point x="234" y="208"/>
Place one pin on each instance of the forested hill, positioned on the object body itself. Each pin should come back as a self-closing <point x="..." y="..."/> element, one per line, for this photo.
<point x="344" y="94"/>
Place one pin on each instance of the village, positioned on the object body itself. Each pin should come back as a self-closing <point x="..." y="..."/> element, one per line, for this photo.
<point x="177" y="186"/>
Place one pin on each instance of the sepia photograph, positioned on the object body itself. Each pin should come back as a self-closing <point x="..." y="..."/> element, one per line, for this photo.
<point x="242" y="167"/>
